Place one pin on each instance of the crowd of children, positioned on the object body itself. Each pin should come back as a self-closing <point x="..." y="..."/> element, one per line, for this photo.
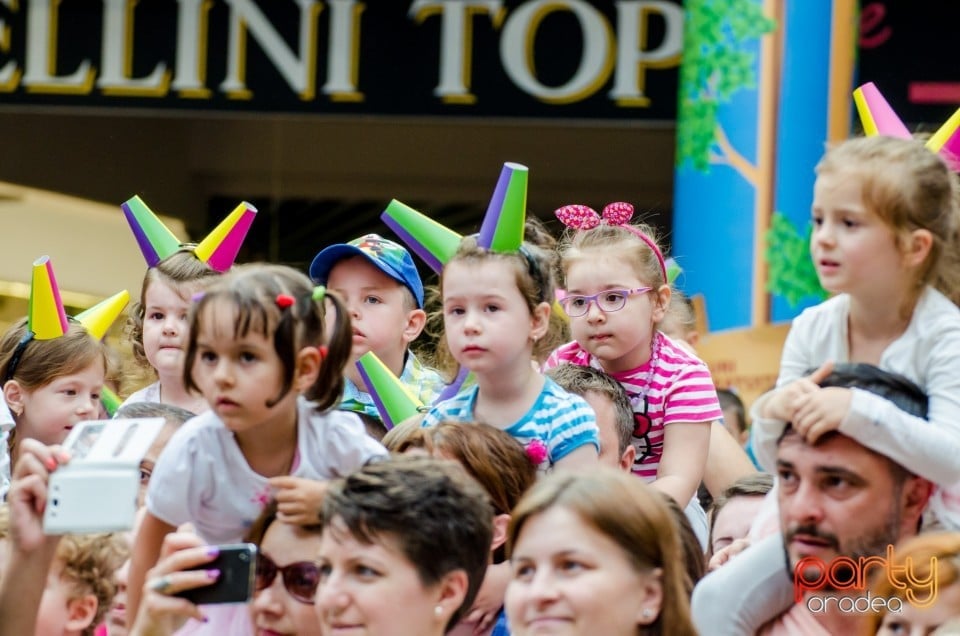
<point x="555" y="359"/>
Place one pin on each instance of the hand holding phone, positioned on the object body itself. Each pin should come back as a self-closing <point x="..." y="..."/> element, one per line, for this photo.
<point x="237" y="566"/>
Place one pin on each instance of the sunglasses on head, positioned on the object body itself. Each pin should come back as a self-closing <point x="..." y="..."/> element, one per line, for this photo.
<point x="300" y="579"/>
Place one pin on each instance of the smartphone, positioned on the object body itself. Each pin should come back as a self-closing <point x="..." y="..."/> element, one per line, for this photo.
<point x="238" y="567"/>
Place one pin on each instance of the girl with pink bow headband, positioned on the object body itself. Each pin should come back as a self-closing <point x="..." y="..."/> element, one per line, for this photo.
<point x="616" y="293"/>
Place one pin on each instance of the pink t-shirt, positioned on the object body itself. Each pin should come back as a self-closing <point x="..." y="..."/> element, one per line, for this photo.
<point x="672" y="386"/>
<point x="797" y="621"/>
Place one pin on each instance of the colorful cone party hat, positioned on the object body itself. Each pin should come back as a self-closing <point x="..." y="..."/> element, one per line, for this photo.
<point x="46" y="317"/>
<point x="946" y="141"/>
<point x="156" y="241"/>
<point x="97" y="319"/>
<point x="502" y="228"/>
<point x="221" y="246"/>
<point x="673" y="270"/>
<point x="426" y="238"/>
<point x="110" y="400"/>
<point x="454" y="387"/>
<point x="876" y="115"/>
<point x="394" y="400"/>
<point x="878" y="118"/>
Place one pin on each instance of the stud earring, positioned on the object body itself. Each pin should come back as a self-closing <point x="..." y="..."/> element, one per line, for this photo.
<point x="647" y="612"/>
<point x="438" y="610"/>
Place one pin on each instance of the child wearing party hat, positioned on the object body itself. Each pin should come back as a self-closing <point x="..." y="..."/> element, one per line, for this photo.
<point x="497" y="293"/>
<point x="52" y="367"/>
<point x="383" y="291"/>
<point x="157" y="326"/>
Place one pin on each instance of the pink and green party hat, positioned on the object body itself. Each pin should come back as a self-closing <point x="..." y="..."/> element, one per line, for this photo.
<point x="502" y="228"/>
<point x="426" y="238"/>
<point x="218" y="250"/>
<point x="393" y="399"/>
<point x="46" y="317"/>
<point x="876" y="114"/>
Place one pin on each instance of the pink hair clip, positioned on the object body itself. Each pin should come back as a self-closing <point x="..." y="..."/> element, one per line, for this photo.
<point x="618" y="214"/>
<point x="536" y="451"/>
<point x="285" y="300"/>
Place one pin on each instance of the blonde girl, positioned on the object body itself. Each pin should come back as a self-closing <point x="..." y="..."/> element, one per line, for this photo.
<point x="157" y="326"/>
<point x="496" y="312"/>
<point x="616" y="294"/>
<point x="256" y="354"/>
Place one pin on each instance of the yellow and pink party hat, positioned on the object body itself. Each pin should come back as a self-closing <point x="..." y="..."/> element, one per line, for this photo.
<point x="46" y="317"/>
<point x="879" y="118"/>
<point x="876" y="114"/>
<point x="393" y="399"/>
<point x="218" y="250"/>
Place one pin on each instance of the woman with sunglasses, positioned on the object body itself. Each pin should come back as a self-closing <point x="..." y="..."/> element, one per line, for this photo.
<point x="285" y="584"/>
<point x="286" y="578"/>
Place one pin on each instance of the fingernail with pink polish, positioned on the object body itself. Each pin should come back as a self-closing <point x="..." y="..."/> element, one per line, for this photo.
<point x="213" y="550"/>
<point x="213" y="575"/>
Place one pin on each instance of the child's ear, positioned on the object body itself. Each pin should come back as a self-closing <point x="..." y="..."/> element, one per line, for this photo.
<point x="416" y="319"/>
<point x="80" y="613"/>
<point x="309" y="360"/>
<point x="919" y="244"/>
<point x="540" y="321"/>
<point x="13" y="394"/>
<point x="662" y="302"/>
<point x="500" y="523"/>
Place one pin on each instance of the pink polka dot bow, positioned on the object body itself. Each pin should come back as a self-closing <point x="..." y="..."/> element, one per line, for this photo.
<point x="583" y="217"/>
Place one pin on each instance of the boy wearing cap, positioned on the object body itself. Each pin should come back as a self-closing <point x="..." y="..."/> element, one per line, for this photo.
<point x="382" y="289"/>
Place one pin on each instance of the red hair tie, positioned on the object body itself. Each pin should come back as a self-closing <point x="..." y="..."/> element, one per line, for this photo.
<point x="285" y="300"/>
<point x="618" y="214"/>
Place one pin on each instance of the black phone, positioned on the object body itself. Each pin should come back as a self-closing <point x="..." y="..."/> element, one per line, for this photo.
<point x="238" y="567"/>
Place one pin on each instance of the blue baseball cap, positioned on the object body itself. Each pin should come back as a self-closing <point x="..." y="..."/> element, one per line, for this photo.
<point x="390" y="258"/>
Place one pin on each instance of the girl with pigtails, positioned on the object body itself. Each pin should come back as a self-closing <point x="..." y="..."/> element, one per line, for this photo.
<point x="260" y="355"/>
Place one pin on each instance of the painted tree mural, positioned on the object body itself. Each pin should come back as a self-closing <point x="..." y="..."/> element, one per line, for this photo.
<point x="720" y="59"/>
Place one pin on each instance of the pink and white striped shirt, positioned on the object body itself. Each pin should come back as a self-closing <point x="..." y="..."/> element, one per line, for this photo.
<point x="678" y="388"/>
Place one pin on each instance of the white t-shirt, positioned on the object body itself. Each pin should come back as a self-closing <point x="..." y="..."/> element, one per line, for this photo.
<point x="202" y="476"/>
<point x="149" y="393"/>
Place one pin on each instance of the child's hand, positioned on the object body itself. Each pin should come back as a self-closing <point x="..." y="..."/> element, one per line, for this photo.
<point x="783" y="403"/>
<point x="299" y="500"/>
<point x="489" y="598"/>
<point x="724" y="555"/>
<point x="28" y="492"/>
<point x="821" y="412"/>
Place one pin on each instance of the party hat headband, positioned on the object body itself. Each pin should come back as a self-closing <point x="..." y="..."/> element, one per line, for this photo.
<point x="218" y="250"/>
<point x="501" y="230"/>
<point x="393" y="399"/>
<point x="879" y="118"/>
<point x="47" y="319"/>
<point x="582" y="217"/>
